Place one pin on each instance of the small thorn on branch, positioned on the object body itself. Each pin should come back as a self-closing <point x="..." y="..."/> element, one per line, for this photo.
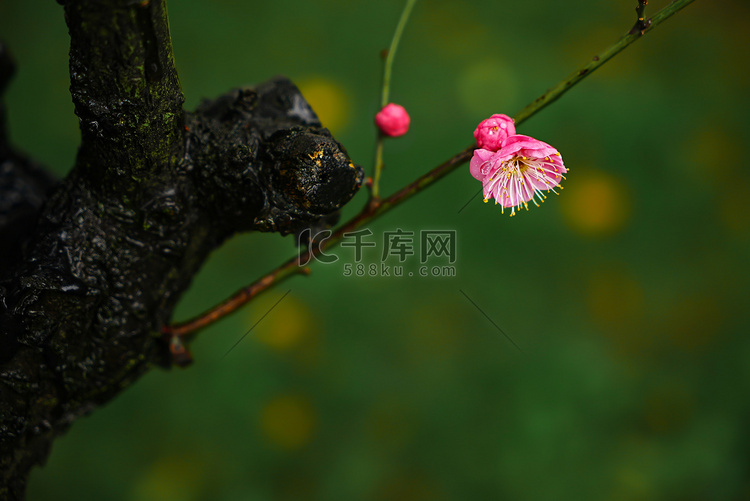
<point x="179" y="353"/>
<point x="372" y="204"/>
<point x="181" y="356"/>
<point x="642" y="23"/>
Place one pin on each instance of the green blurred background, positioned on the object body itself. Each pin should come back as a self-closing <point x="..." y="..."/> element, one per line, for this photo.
<point x="628" y="294"/>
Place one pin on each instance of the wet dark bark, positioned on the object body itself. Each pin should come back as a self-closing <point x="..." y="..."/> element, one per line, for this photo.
<point x="91" y="266"/>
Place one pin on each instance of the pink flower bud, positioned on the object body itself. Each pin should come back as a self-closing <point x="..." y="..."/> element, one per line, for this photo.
<point x="393" y="120"/>
<point x="492" y="132"/>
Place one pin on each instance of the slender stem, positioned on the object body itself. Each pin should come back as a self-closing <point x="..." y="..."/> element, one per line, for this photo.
<point x="371" y="212"/>
<point x="392" y="51"/>
<point x="387" y="70"/>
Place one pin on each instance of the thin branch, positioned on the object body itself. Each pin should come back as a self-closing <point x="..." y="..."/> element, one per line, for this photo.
<point x="558" y="90"/>
<point x="371" y="212"/>
<point x="387" y="70"/>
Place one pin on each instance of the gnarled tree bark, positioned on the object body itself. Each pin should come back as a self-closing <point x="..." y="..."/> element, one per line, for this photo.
<point x="91" y="266"/>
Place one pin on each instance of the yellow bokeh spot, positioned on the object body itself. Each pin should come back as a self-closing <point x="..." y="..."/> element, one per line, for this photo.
<point x="633" y="483"/>
<point x="708" y="156"/>
<point x="635" y="463"/>
<point x="288" y="421"/>
<point x="328" y="100"/>
<point x="289" y="326"/>
<point x="595" y="204"/>
<point x="734" y="211"/>
<point x="178" y="478"/>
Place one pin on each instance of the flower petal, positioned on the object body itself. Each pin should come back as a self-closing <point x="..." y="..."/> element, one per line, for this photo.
<point x="481" y="156"/>
<point x="520" y="145"/>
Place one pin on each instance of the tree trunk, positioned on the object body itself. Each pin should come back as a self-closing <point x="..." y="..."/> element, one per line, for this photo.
<point x="91" y="267"/>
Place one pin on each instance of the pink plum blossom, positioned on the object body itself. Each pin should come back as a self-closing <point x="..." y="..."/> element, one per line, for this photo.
<point x="393" y="120"/>
<point x="518" y="172"/>
<point x="492" y="132"/>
